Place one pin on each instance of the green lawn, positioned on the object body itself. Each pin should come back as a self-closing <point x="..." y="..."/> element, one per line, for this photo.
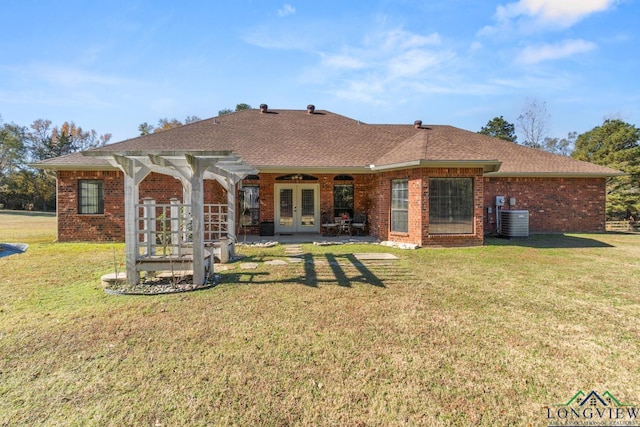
<point x="476" y="336"/>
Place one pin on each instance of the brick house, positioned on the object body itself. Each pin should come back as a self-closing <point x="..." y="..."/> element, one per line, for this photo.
<point x="429" y="185"/>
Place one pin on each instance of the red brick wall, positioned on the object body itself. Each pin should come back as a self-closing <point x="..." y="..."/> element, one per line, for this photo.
<point x="555" y="205"/>
<point x="418" y="232"/>
<point x="109" y="226"/>
<point x="104" y="227"/>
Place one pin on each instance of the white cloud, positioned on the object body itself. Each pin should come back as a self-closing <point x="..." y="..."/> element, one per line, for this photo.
<point x="476" y="46"/>
<point x="414" y="62"/>
<point x="342" y="61"/>
<point x="547" y="52"/>
<point x="400" y="39"/>
<point x="286" y="10"/>
<point x="530" y="14"/>
<point x="385" y="64"/>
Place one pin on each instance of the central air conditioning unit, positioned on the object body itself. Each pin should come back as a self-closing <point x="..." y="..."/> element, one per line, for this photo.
<point x="514" y="223"/>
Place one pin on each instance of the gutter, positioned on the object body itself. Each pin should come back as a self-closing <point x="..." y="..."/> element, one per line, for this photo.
<point x="554" y="174"/>
<point x="488" y="166"/>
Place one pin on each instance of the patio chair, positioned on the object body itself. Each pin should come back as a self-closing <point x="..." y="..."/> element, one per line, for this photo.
<point x="359" y="222"/>
<point x="329" y="223"/>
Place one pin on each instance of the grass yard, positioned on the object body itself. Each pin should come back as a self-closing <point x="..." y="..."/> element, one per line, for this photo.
<point x="477" y="336"/>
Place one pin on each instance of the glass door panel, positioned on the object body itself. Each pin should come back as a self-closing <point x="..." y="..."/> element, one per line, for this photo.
<point x="286" y="208"/>
<point x="308" y="208"/>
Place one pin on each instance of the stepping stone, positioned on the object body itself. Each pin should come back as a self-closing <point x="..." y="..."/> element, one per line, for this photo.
<point x="295" y="260"/>
<point x="218" y="267"/>
<point x="112" y="278"/>
<point x="375" y="256"/>
<point x="248" y="265"/>
<point x="276" y="262"/>
<point x="295" y="250"/>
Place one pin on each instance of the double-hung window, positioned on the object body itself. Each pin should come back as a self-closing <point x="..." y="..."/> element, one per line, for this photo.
<point x="90" y="196"/>
<point x="400" y="205"/>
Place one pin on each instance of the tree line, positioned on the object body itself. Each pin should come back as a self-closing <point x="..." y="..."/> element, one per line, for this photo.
<point x="615" y="144"/>
<point x="25" y="187"/>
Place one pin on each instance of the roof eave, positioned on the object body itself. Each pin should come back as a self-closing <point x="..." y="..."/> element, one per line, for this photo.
<point x="314" y="169"/>
<point x="553" y="174"/>
<point x="486" y="165"/>
<point x="67" y="167"/>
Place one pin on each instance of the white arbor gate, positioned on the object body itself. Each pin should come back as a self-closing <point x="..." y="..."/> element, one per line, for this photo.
<point x="191" y="168"/>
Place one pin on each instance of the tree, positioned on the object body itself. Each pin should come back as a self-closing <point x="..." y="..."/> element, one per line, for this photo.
<point x="44" y="142"/>
<point x="239" y="107"/>
<point x="560" y="146"/>
<point x="615" y="144"/>
<point x="12" y="155"/>
<point x="12" y="148"/>
<point x="532" y="123"/>
<point x="145" y="128"/>
<point x="165" y="124"/>
<point x="498" y="127"/>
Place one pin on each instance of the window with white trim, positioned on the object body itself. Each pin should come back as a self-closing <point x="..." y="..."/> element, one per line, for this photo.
<point x="90" y="196"/>
<point x="451" y="206"/>
<point x="400" y="205"/>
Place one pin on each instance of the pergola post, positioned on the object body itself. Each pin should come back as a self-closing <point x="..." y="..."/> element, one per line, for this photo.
<point x="197" y="214"/>
<point x="134" y="173"/>
<point x="231" y="215"/>
<point x="131" y="197"/>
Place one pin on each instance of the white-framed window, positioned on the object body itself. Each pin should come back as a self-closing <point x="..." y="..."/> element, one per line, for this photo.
<point x="451" y="206"/>
<point x="90" y="196"/>
<point x="400" y="205"/>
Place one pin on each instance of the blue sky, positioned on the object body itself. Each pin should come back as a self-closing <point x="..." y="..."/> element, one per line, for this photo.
<point x="109" y="65"/>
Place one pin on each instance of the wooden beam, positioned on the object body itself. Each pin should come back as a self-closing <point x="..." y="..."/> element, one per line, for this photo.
<point x="197" y="215"/>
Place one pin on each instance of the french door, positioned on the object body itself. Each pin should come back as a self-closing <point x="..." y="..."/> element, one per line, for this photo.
<point x="297" y="208"/>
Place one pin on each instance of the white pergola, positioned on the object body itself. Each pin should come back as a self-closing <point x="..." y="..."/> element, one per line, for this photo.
<point x="191" y="168"/>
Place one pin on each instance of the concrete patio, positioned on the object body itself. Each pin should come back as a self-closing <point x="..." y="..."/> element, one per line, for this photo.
<point x="304" y="238"/>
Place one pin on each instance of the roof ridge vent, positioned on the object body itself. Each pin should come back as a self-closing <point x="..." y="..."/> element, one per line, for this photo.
<point x="264" y="108"/>
<point x="311" y="108"/>
<point x="417" y="124"/>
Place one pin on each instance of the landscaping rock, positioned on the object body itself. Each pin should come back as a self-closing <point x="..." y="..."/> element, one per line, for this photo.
<point x="399" y="245"/>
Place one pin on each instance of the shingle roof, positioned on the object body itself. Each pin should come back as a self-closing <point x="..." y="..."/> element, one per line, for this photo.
<point x="296" y="139"/>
